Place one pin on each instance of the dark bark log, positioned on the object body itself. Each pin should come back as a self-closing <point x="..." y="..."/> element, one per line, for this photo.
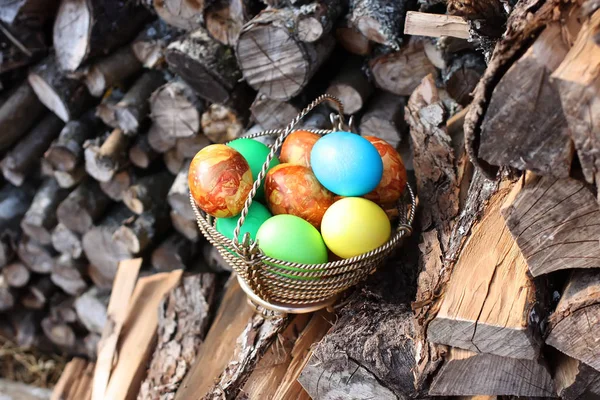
<point x="18" y="114"/>
<point x="16" y="274"/>
<point x="40" y="219"/>
<point x="67" y="98"/>
<point x="271" y="38"/>
<point x="33" y="13"/>
<point x="103" y="158"/>
<point x="7" y="298"/>
<point x="151" y="43"/>
<point x="225" y="18"/>
<point x="173" y="161"/>
<point x="141" y="154"/>
<point x="82" y="207"/>
<point x="59" y="333"/>
<point x="111" y="70"/>
<point x="159" y="140"/>
<point x="118" y="184"/>
<point x="148" y="192"/>
<point x="70" y="179"/>
<point x="91" y="309"/>
<point x="179" y="197"/>
<point x="67" y="274"/>
<point x="186" y="227"/>
<point x="22" y="159"/>
<point x="139" y="234"/>
<point x="20" y="46"/>
<point x="352" y="40"/>
<point x="65" y="241"/>
<point x="38" y="293"/>
<point x="187" y="15"/>
<point x="14" y="203"/>
<point x="351" y="86"/>
<point x="214" y="259"/>
<point x="384" y="118"/>
<point x="188" y="147"/>
<point x="208" y="66"/>
<point x="381" y="22"/>
<point x="36" y="257"/>
<point x="85" y="29"/>
<point x="175" y="252"/>
<point x="461" y="76"/>
<point x="490" y="13"/>
<point x="176" y="110"/>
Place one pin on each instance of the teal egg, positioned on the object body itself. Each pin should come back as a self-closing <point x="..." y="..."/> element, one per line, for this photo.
<point x="257" y="215"/>
<point x="255" y="154"/>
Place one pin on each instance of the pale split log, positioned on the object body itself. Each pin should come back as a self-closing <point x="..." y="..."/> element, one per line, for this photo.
<point x="40" y="218"/>
<point x="82" y="207"/>
<point x="37" y="257"/>
<point x="90" y="343"/>
<point x="14" y="203"/>
<point x="85" y="382"/>
<point x="552" y="221"/>
<point x="38" y="293"/>
<point x="67" y="98"/>
<point x="225" y="18"/>
<point x="16" y="274"/>
<point x="575" y="380"/>
<point x="18" y="114"/>
<point x="68" y="378"/>
<point x="461" y="76"/>
<point x="183" y="320"/>
<point x="70" y="179"/>
<point x="150" y="44"/>
<point x="380" y="21"/>
<point x="65" y="241"/>
<point x="572" y="327"/>
<point x="188" y="16"/>
<point x="352" y="40"/>
<point x="178" y="196"/>
<point x="351" y="86"/>
<point x="436" y="25"/>
<point x="148" y="191"/>
<point x="384" y="118"/>
<point x="141" y="154"/>
<point x="68" y="274"/>
<point x="186" y="227"/>
<point x="138" y="234"/>
<point x="62" y="310"/>
<point x="25" y="325"/>
<point x="271" y="40"/>
<point x="175" y="252"/>
<point x="91" y="308"/>
<point x="118" y="184"/>
<point x="111" y="70"/>
<point x="273" y="114"/>
<point x="103" y="158"/>
<point x="173" y="161"/>
<point x="189" y="146"/>
<point x="176" y="111"/>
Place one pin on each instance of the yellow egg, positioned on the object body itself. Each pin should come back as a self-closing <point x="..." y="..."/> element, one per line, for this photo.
<point x="353" y="226"/>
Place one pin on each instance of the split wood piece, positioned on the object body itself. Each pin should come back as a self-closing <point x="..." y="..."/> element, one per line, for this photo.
<point x="40" y="219"/>
<point x="38" y="293"/>
<point x="578" y="83"/>
<point x="70" y="179"/>
<point x="82" y="207"/>
<point x="83" y="30"/>
<point x="65" y="241"/>
<point x="59" y="333"/>
<point x="179" y="197"/>
<point x="151" y="43"/>
<point x="18" y="114"/>
<point x="137" y="235"/>
<point x="175" y="252"/>
<point x="183" y="320"/>
<point x="462" y="75"/>
<point x="90" y="343"/>
<point x="173" y="161"/>
<point x="84" y="387"/>
<point x="224" y="122"/>
<point x="68" y="274"/>
<point x="189" y="146"/>
<point x="102" y="250"/>
<point x="91" y="309"/>
<point x="14" y="203"/>
<point x="62" y="310"/>
<point x="140" y="331"/>
<point x="148" y="191"/>
<point x="436" y="25"/>
<point x="550" y="220"/>
<point x="384" y="118"/>
<point x="22" y="159"/>
<point x="38" y="258"/>
<point x="225" y="18"/>
<point x="270" y="39"/>
<point x="65" y="97"/>
<point x="33" y="13"/>
<point x="546" y="149"/>
<point x="102" y="161"/>
<point x="465" y="373"/>
<point x="575" y="380"/>
<point x="111" y="70"/>
<point x="186" y="227"/>
<point x="20" y="46"/>
<point x="118" y="184"/>
<point x="402" y="71"/>
<point x="22" y="391"/>
<point x="118" y="307"/>
<point x="380" y="22"/>
<point x="351" y="86"/>
<point x="176" y="111"/>
<point x="352" y="40"/>
<point x="16" y="274"/>
<point x="159" y="140"/>
<point x="141" y="154"/>
<point x="572" y="326"/>
<point x="68" y="378"/>
<point x="186" y="15"/>
<point x="273" y="114"/>
<point x="66" y="152"/>
<point x="218" y="347"/>
<point x="7" y="297"/>
<point x="208" y="66"/>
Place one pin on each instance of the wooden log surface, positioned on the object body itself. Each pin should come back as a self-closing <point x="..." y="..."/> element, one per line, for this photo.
<point x="188" y="228"/>
<point x="37" y="257"/>
<point x="273" y="114"/>
<point x="40" y="218"/>
<point x="148" y="191"/>
<point x="116" y="186"/>
<point x="352" y="40"/>
<point x="21" y="46"/>
<point x="19" y="390"/>
<point x="461" y="75"/>
<point x="18" y="114"/>
<point x="104" y="157"/>
<point x="82" y="207"/>
<point x="150" y="44"/>
<point x="384" y="118"/>
<point x="136" y="235"/>
<point x="111" y="70"/>
<point x="65" y="241"/>
<point x="176" y="110"/>
<point x="225" y="18"/>
<point x="435" y="25"/>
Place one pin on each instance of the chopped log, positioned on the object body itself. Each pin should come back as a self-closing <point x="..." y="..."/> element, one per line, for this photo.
<point x="14" y="203"/>
<point x="38" y="293"/>
<point x="179" y="17"/>
<point x="402" y="71"/>
<point x="40" y="219"/>
<point x="111" y="70"/>
<point x="65" y="97"/>
<point x="384" y="118"/>
<point x="20" y="46"/>
<point x="140" y="333"/>
<point x="175" y="252"/>
<point x="351" y="86"/>
<point x="19" y="162"/>
<point x="67" y="274"/>
<point x="550" y="220"/>
<point x="173" y="161"/>
<point x="70" y="179"/>
<point x="272" y="38"/>
<point x="91" y="309"/>
<point x="352" y="40"/>
<point x="116" y="186"/>
<point x="208" y="66"/>
<point x="16" y="274"/>
<point x="103" y="252"/>
<point x="141" y="154"/>
<point x="138" y="235"/>
<point x="225" y="18"/>
<point x="18" y="114"/>
<point x="151" y="43"/>
<point x="59" y="333"/>
<point x="83" y="30"/>
<point x="106" y="109"/>
<point x="91" y="342"/>
<point x="189" y="146"/>
<point x="222" y="123"/>
<point x="214" y="260"/>
<point x="273" y="114"/>
<point x="62" y="309"/>
<point x="82" y="207"/>
<point x="380" y="22"/>
<point x="183" y="321"/>
<point x="575" y="380"/>
<point x="461" y="76"/>
<point x="489" y="16"/>
<point x="7" y="298"/>
<point x="33" y="13"/>
<point x="102" y="161"/>
<point x="159" y="140"/>
<point x="66" y="152"/>
<point x="178" y="196"/>
<point x="186" y="227"/>
<point x="176" y="110"/>
<point x="68" y="378"/>
<point x="65" y="241"/>
<point x="465" y="374"/>
<point x="436" y="25"/>
<point x="36" y="257"/>
<point x="573" y="323"/>
<point x="148" y="191"/>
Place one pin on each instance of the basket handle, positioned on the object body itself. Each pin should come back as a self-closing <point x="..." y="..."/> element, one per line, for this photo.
<point x="278" y="143"/>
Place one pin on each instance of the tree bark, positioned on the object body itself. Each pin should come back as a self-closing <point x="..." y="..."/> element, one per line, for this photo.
<point x="65" y="241"/>
<point x="151" y="43"/>
<point x="40" y="219"/>
<point x="175" y="252"/>
<point x="33" y="13"/>
<point x="175" y="110"/>
<point x="139" y="234"/>
<point x="352" y="40"/>
<point x="224" y="122"/>
<point x="188" y="147"/>
<point x="102" y="161"/>
<point x="111" y="70"/>
<point x="38" y="293"/>
<point x="18" y="114"/>
<point x="147" y="192"/>
<point x="14" y="203"/>
<point x="20" y="46"/>
<point x="186" y="16"/>
<point x="70" y="179"/>
<point x="384" y="118"/>
<point x="36" y="257"/>
<point x="381" y="22"/>
<point x="82" y="207"/>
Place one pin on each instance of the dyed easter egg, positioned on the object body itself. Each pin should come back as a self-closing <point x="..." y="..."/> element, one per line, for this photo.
<point x="297" y="147"/>
<point x="220" y="180"/>
<point x="353" y="226"/>
<point x="346" y="164"/>
<point x="257" y="215"/>
<point x="256" y="154"/>
<point x="393" y="180"/>
<point x="294" y="189"/>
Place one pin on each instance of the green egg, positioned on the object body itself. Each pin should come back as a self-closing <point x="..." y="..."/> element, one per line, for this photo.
<point x="256" y="154"/>
<point x="257" y="215"/>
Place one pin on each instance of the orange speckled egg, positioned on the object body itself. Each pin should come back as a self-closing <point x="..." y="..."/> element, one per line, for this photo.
<point x="220" y="180"/>
<point x="393" y="181"/>
<point x="294" y="189"/>
<point x="297" y="146"/>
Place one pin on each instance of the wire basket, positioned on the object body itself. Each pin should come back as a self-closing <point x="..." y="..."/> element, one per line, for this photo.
<point x="304" y="287"/>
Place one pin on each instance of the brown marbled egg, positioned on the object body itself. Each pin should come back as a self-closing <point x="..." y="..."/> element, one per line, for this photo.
<point x="294" y="189"/>
<point x="394" y="178"/>
<point x="220" y="180"/>
<point x="297" y="146"/>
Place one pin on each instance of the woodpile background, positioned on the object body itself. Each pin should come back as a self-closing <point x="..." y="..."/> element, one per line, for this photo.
<point x="494" y="106"/>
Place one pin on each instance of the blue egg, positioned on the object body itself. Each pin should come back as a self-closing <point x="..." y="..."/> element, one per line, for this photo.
<point x="346" y="164"/>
